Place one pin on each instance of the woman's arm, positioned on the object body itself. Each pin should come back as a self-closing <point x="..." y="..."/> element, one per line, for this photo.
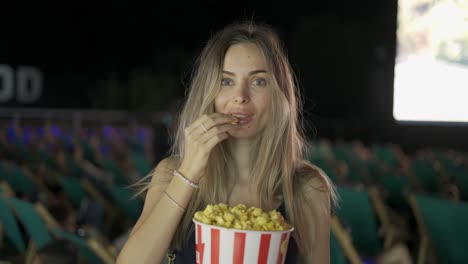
<point x="163" y="210"/>
<point x="316" y="210"/>
<point x="152" y="234"/>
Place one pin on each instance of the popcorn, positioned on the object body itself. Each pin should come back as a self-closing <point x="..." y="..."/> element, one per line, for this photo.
<point x="241" y="217"/>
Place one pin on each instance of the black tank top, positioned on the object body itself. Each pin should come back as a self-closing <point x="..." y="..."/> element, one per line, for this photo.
<point x="187" y="255"/>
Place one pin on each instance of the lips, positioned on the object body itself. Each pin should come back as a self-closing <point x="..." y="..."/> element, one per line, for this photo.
<point x="244" y="118"/>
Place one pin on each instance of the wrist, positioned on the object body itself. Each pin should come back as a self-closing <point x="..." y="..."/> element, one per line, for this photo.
<point x="188" y="174"/>
<point x="186" y="180"/>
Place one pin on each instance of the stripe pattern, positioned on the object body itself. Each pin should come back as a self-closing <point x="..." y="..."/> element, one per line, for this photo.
<point x="216" y="246"/>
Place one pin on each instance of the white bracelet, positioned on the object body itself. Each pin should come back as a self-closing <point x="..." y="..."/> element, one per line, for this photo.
<point x="189" y="182"/>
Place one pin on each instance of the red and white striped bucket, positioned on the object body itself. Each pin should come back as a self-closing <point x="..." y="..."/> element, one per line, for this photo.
<point x="214" y="244"/>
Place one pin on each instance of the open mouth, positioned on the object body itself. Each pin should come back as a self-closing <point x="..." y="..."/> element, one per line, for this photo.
<point x="243" y="118"/>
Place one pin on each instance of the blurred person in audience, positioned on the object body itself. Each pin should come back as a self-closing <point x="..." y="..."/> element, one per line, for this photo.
<point x="46" y="176"/>
<point x="238" y="141"/>
<point x="92" y="211"/>
<point x="129" y="169"/>
<point x="90" y="168"/>
<point x="66" y="217"/>
<point x="60" y="158"/>
<point x="57" y="252"/>
<point x="363" y="152"/>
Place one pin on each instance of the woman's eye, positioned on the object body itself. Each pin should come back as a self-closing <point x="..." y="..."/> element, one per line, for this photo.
<point x="259" y="82"/>
<point x="226" y="82"/>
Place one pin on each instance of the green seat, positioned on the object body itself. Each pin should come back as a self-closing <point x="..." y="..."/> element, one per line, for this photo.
<point x="461" y="180"/>
<point x="343" y="153"/>
<point x="336" y="253"/>
<point x="396" y="186"/>
<point x="31" y="221"/>
<point x="3" y="171"/>
<point x="426" y="176"/>
<point x="385" y="154"/>
<point x="356" y="212"/>
<point x="126" y="201"/>
<point x="24" y="152"/>
<point x="137" y="147"/>
<point x="10" y="225"/>
<point x="74" y="189"/>
<point x="446" y="223"/>
<point x="73" y="166"/>
<point x="47" y="159"/>
<point x="319" y="150"/>
<point x="39" y="233"/>
<point x="355" y="174"/>
<point x="443" y="159"/>
<point x="373" y="169"/>
<point x="19" y="182"/>
<point x="83" y="248"/>
<point x="141" y="163"/>
<point x="117" y="172"/>
<point x="88" y="151"/>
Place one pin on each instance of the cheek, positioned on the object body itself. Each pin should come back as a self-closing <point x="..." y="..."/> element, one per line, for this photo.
<point x="220" y="102"/>
<point x="217" y="105"/>
<point x="265" y="102"/>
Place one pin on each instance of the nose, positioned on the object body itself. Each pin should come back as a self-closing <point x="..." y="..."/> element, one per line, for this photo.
<point x="242" y="95"/>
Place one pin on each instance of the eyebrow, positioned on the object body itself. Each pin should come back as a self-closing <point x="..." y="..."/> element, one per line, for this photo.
<point x="250" y="73"/>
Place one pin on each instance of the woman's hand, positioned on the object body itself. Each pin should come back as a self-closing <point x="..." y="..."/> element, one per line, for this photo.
<point x="200" y="138"/>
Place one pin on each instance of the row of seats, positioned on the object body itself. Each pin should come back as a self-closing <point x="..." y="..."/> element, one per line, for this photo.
<point x="85" y="179"/>
<point x="390" y="199"/>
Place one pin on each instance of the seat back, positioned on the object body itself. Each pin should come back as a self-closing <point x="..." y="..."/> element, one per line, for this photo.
<point x="74" y="189"/>
<point x="396" y="185"/>
<point x="445" y="223"/>
<point x="10" y="225"/>
<point x="117" y="172"/>
<point x="140" y="162"/>
<point x="426" y="176"/>
<point x="32" y="222"/>
<point x="84" y="250"/>
<point x="357" y="213"/>
<point x="125" y="200"/>
<point x="336" y="253"/>
<point x="18" y="180"/>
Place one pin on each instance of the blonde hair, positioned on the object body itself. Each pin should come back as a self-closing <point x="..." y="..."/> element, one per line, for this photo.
<point x="280" y="169"/>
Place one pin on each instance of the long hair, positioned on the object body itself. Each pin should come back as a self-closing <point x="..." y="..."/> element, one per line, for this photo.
<point x="279" y="150"/>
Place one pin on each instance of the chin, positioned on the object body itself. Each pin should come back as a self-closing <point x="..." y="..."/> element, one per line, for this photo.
<point x="242" y="134"/>
<point x="249" y="131"/>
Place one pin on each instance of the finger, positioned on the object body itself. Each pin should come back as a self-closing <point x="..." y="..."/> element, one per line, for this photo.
<point x="196" y="124"/>
<point x="216" y="120"/>
<point x="213" y="141"/>
<point x="210" y="121"/>
<point x="215" y="131"/>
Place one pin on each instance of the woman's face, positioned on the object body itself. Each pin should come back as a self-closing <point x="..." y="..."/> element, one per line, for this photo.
<point x="245" y="91"/>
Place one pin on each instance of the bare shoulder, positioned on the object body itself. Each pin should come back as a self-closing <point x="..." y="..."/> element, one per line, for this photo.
<point x="311" y="177"/>
<point x="316" y="187"/>
<point x="317" y="192"/>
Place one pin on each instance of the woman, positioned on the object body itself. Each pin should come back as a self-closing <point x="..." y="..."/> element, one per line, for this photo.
<point x="238" y="139"/>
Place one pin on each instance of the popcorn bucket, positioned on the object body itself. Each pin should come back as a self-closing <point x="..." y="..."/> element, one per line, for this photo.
<point x="214" y="244"/>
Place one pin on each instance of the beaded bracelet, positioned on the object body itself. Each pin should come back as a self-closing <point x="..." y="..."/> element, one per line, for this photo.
<point x="189" y="182"/>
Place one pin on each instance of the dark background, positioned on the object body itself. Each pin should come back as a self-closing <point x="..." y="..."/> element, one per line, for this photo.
<point x="137" y="57"/>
